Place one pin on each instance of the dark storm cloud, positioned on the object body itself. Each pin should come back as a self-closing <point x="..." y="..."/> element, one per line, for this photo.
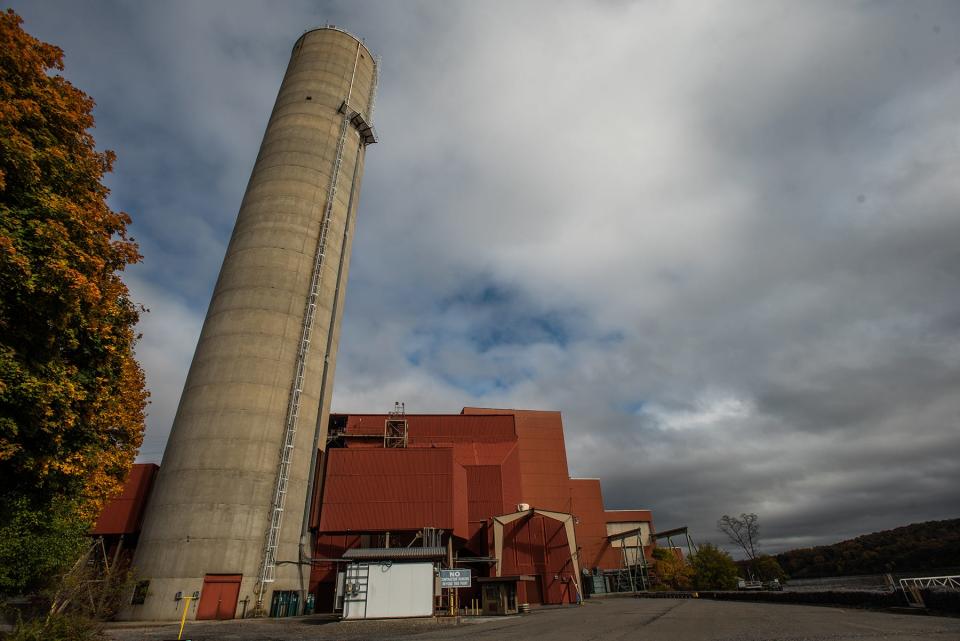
<point x="723" y="240"/>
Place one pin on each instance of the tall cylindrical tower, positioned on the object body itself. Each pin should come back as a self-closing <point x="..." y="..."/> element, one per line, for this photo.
<point x="227" y="512"/>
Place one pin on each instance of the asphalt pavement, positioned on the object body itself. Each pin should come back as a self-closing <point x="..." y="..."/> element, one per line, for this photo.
<point x="608" y="620"/>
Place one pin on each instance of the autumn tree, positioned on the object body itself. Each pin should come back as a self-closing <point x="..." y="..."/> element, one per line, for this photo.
<point x="72" y="396"/>
<point x="713" y="569"/>
<point x="673" y="572"/>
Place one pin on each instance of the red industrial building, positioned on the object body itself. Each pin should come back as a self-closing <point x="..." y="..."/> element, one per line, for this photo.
<point x="458" y="473"/>
<point x="485" y="489"/>
<point x="119" y="522"/>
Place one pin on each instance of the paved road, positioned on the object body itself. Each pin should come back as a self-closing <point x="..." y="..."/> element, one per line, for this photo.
<point x="607" y="620"/>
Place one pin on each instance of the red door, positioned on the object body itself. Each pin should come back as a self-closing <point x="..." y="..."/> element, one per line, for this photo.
<point x="218" y="600"/>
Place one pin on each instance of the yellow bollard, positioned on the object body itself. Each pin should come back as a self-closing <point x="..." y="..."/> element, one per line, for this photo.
<point x="183" y="619"/>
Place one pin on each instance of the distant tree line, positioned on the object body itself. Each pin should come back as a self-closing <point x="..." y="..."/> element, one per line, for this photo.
<point x="931" y="545"/>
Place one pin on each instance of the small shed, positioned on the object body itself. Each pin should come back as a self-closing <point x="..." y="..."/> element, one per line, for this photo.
<point x="500" y="593"/>
<point x="382" y="583"/>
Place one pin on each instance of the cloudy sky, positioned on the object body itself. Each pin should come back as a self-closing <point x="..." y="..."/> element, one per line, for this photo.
<point x="723" y="238"/>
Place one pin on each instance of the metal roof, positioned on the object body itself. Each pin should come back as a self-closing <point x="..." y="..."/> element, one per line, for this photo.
<point x="627" y="516"/>
<point x="123" y="514"/>
<point x="395" y="553"/>
<point x="667" y="533"/>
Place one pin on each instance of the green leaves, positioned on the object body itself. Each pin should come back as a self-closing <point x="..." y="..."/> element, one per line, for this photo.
<point x="37" y="544"/>
<point x="713" y="569"/>
<point x="72" y="396"/>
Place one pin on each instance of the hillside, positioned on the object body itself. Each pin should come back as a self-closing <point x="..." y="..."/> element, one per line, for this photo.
<point x="919" y="546"/>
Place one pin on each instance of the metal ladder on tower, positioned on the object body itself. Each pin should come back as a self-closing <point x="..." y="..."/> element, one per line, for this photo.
<point x="269" y="563"/>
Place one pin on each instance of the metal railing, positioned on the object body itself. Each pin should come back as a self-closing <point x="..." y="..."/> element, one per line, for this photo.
<point x="911" y="587"/>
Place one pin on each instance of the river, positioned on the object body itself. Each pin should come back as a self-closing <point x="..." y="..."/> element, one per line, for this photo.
<point x="864" y="582"/>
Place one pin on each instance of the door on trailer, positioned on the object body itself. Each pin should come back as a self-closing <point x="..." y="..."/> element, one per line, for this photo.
<point x="218" y="600"/>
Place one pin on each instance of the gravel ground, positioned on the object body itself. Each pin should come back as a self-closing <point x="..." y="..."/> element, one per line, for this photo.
<point x="612" y="619"/>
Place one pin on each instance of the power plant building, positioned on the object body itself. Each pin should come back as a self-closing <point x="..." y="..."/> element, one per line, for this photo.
<point x="495" y="483"/>
<point x="488" y="490"/>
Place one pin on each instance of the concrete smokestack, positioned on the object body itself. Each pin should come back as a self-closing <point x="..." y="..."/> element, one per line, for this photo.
<point x="227" y="511"/>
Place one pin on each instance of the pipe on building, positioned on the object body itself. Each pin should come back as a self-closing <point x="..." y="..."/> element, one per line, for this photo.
<point x="318" y="428"/>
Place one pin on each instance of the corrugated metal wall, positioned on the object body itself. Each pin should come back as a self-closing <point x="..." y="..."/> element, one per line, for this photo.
<point x="323" y="575"/>
<point x="587" y="506"/>
<point x="538" y="545"/>
<point x="440" y="428"/>
<point x="512" y="487"/>
<point x="461" y="526"/>
<point x="393" y="489"/>
<point x="484" y="501"/>
<point x="543" y="456"/>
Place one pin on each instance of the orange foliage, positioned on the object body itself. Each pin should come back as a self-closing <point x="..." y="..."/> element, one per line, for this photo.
<point x="72" y="396"/>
